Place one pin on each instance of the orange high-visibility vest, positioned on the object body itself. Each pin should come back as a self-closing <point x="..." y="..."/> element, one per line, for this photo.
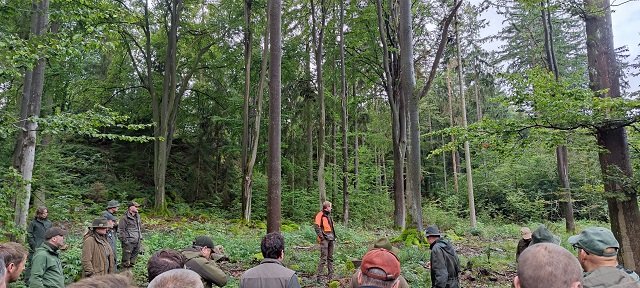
<point x="323" y="222"/>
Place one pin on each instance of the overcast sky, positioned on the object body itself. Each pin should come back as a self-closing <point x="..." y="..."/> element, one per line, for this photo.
<point x="626" y="29"/>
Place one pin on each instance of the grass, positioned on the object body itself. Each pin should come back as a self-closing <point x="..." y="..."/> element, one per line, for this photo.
<point x="486" y="253"/>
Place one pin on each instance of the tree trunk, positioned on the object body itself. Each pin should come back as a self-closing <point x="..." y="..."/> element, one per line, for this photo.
<point x="318" y="43"/>
<point x="356" y="142"/>
<point x="273" y="155"/>
<point x="398" y="122"/>
<point x="467" y="153"/>
<point x="345" y="139"/>
<point x="25" y="153"/>
<point x="407" y="82"/>
<point x="255" y="133"/>
<point x="454" y="161"/>
<point x="246" y="179"/>
<point x="561" y="150"/>
<point x="309" y="133"/>
<point x="614" y="158"/>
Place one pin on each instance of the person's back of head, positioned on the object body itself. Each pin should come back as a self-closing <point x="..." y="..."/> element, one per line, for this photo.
<point x="547" y="265"/>
<point x="177" y="278"/>
<point x="163" y="261"/>
<point x="105" y="281"/>
<point x="272" y="245"/>
<point x="368" y="280"/>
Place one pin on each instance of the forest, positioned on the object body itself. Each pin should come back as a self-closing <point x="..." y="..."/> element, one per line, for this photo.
<point x="237" y="118"/>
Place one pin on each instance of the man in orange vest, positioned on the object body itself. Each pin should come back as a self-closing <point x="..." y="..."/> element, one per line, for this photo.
<point x="326" y="237"/>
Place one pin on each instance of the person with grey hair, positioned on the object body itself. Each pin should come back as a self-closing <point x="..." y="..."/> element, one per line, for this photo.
<point x="547" y="265"/>
<point x="177" y="278"/>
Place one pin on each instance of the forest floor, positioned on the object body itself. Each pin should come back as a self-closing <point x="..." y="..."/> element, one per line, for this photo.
<point x="487" y="254"/>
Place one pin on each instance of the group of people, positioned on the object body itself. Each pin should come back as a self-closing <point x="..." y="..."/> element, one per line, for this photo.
<point x="542" y="262"/>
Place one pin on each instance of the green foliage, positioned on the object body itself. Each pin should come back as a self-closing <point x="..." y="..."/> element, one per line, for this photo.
<point x="10" y="183"/>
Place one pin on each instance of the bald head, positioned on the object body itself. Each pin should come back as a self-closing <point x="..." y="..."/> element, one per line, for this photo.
<point x="548" y="265"/>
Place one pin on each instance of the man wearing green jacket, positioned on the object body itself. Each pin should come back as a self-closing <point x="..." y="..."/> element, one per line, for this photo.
<point x="46" y="267"/>
<point x="199" y="260"/>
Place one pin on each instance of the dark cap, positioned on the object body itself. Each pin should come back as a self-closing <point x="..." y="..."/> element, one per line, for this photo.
<point x="113" y="204"/>
<point x="432" y="231"/>
<point x="385" y="244"/>
<point x="543" y="235"/>
<point x="203" y="241"/>
<point x="133" y="203"/>
<point x="100" y="222"/>
<point x="596" y="240"/>
<point x="53" y="232"/>
<point x="381" y="259"/>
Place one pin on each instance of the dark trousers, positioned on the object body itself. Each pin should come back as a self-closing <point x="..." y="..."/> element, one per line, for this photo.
<point x="130" y="253"/>
<point x="326" y="257"/>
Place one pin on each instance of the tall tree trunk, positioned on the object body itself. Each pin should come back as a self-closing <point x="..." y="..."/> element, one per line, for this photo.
<point x="467" y="153"/>
<point x="407" y="82"/>
<point x="255" y="132"/>
<point x="309" y="133"/>
<point x="25" y="153"/>
<point x="345" y="139"/>
<point x="356" y="142"/>
<point x="454" y="161"/>
<point x="318" y="40"/>
<point x="398" y="122"/>
<point x="561" y="151"/>
<point x="334" y="162"/>
<point x="614" y="159"/>
<point x="274" y="208"/>
<point x="246" y="180"/>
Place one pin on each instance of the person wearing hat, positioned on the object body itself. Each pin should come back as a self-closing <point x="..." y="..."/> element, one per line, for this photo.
<point x="198" y="259"/>
<point x="112" y="208"/>
<point x="130" y="235"/>
<point x="543" y="235"/>
<point x="46" y="267"/>
<point x="382" y="243"/>
<point x="97" y="255"/>
<point x="597" y="254"/>
<point x="270" y="273"/>
<point x="379" y="268"/>
<point x="525" y="232"/>
<point x="444" y="262"/>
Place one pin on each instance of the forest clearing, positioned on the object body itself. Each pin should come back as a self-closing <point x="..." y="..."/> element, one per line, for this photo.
<point x="236" y="119"/>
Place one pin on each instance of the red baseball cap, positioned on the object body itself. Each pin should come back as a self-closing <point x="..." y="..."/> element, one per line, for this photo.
<point x="381" y="259"/>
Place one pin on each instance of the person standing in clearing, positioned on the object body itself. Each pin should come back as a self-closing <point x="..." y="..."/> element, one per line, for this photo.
<point x="524" y="241"/>
<point x="112" y="208"/>
<point x="97" y="256"/>
<point x="444" y="263"/>
<point x="326" y="237"/>
<point x="130" y="235"/>
<point x="35" y="234"/>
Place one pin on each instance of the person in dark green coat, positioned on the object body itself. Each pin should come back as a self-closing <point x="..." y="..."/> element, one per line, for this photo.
<point x="46" y="267"/>
<point x="35" y="234"/>
<point x="444" y="263"/>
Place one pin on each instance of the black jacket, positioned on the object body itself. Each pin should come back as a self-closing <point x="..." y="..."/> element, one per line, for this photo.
<point x="445" y="265"/>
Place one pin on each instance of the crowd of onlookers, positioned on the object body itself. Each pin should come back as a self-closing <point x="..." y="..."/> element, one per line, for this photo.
<point x="542" y="262"/>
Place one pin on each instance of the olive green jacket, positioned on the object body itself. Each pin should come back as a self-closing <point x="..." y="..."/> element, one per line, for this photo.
<point x="208" y="269"/>
<point x="46" y="268"/>
<point x="97" y="256"/>
<point x="605" y="277"/>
